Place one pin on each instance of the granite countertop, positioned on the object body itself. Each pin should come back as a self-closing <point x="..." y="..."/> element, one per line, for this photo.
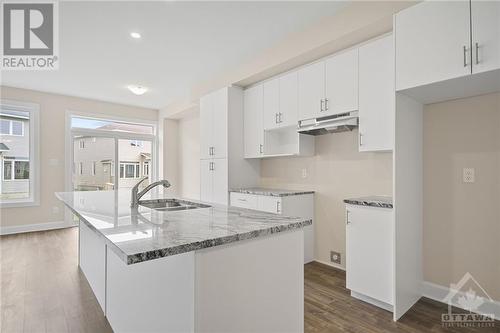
<point x="372" y="201"/>
<point x="270" y="191"/>
<point x="146" y="234"/>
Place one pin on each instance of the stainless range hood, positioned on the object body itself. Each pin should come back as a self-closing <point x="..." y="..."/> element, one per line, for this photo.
<point x="330" y="124"/>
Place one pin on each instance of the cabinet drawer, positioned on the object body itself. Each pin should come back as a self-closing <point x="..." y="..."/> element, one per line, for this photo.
<point x="243" y="200"/>
<point x="270" y="204"/>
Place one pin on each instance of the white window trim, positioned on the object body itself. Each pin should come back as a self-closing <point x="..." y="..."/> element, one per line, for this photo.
<point x="34" y="156"/>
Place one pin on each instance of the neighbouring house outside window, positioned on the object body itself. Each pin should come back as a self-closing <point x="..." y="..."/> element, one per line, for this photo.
<point x="19" y="149"/>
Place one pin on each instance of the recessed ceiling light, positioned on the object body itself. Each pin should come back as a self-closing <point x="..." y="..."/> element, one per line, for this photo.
<point x="138" y="90"/>
<point x="135" y="35"/>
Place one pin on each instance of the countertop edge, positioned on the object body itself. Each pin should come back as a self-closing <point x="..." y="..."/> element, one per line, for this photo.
<point x="271" y="192"/>
<point x="162" y="253"/>
<point x="369" y="203"/>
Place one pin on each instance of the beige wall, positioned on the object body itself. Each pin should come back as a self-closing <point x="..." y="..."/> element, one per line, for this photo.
<point x="189" y="156"/>
<point x="336" y="172"/>
<point x="462" y="220"/>
<point x="52" y="145"/>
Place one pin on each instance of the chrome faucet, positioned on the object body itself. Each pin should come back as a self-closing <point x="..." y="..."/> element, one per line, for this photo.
<point x="136" y="195"/>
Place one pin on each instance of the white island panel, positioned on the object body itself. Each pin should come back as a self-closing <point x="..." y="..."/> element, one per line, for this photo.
<point x="151" y="296"/>
<point x="252" y="286"/>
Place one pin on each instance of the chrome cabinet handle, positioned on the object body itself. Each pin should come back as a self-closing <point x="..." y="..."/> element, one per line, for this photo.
<point x="278" y="207"/>
<point x="279" y="117"/>
<point x="242" y="199"/>
<point x="326" y="104"/>
<point x="465" y="56"/>
<point x="477" y="53"/>
<point x="321" y="105"/>
<point x="347" y="217"/>
<point x="360" y="139"/>
<point x="276" y="118"/>
<point x="261" y="148"/>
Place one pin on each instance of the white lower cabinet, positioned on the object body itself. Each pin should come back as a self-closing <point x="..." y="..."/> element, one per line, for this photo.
<point x="370" y="254"/>
<point x="293" y="205"/>
<point x="214" y="181"/>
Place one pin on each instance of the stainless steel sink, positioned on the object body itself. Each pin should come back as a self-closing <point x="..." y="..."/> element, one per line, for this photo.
<point x="171" y="204"/>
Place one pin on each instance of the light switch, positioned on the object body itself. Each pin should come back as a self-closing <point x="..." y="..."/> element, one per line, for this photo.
<point x="304" y="173"/>
<point x="469" y="175"/>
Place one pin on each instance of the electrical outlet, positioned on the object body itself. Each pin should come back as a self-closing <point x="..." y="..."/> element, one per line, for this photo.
<point x="469" y="175"/>
<point x="335" y="257"/>
<point x="304" y="173"/>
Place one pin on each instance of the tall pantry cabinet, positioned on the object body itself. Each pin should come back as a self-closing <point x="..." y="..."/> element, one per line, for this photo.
<point x="222" y="165"/>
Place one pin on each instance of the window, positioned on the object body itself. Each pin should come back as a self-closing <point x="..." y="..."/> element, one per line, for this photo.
<point x="82" y="143"/>
<point x="110" y="125"/>
<point x="129" y="170"/>
<point x="146" y="169"/>
<point x="94" y="168"/>
<point x="19" y="177"/>
<point x="7" y="170"/>
<point x="136" y="143"/>
<point x="11" y="127"/>
<point x="21" y="170"/>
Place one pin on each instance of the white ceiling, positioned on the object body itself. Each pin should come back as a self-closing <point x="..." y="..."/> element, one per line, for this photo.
<point x="183" y="44"/>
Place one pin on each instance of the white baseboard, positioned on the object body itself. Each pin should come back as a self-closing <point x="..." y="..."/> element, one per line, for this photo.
<point x="330" y="264"/>
<point x="15" y="229"/>
<point x="438" y="293"/>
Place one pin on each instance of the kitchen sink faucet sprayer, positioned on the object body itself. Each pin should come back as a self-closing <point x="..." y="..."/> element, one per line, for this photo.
<point x="136" y="195"/>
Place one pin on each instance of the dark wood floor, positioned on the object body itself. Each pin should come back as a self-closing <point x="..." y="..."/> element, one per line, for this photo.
<point x="42" y="290"/>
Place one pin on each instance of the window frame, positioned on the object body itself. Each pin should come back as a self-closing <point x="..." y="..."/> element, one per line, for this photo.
<point x="34" y="153"/>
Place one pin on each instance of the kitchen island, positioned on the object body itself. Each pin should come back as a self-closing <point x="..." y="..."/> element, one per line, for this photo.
<point x="210" y="269"/>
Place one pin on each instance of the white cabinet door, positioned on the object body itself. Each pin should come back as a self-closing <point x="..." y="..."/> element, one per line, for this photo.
<point x="206" y="126"/>
<point x="430" y="41"/>
<point x="271" y="103"/>
<point x="288" y="99"/>
<point x="341" y="83"/>
<point x="376" y="95"/>
<point x="270" y="204"/>
<point x="220" y="181"/>
<point x="369" y="257"/>
<point x="252" y="122"/>
<point x="311" y="90"/>
<point x="485" y="35"/>
<point x="219" y="134"/>
<point x="206" y="180"/>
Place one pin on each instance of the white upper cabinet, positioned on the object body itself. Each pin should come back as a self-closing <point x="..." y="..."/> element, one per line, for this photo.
<point x="206" y="126"/>
<point x="311" y="81"/>
<point x="219" y="135"/>
<point x="271" y="103"/>
<point x="253" y="122"/>
<point x="433" y="43"/>
<point x="341" y="83"/>
<point x="376" y="95"/>
<point x="288" y="99"/>
<point x="485" y="35"/>
<point x="213" y="125"/>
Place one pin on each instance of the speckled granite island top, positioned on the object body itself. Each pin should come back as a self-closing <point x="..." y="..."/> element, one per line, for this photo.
<point x="147" y="234"/>
<point x="270" y="191"/>
<point x="373" y="201"/>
